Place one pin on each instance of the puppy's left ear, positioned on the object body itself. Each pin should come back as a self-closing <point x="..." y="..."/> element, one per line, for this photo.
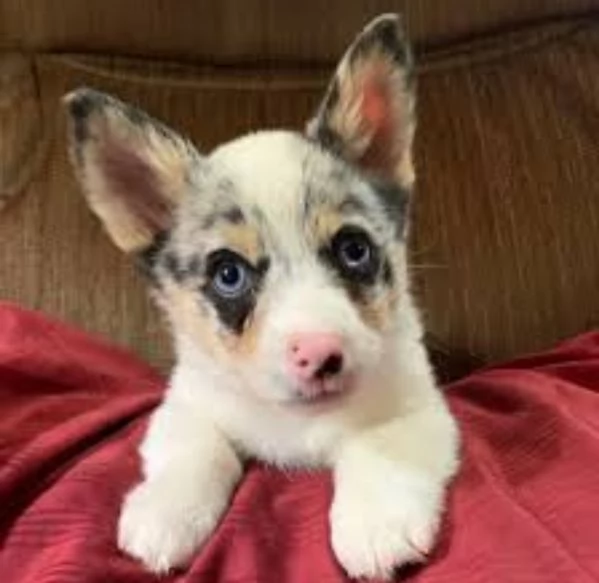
<point x="367" y="115"/>
<point x="134" y="171"/>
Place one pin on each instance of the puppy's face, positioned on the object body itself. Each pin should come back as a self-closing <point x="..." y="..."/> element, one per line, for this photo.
<point x="285" y="265"/>
<point x="280" y="256"/>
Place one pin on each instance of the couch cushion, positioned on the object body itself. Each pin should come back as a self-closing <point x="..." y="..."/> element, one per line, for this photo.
<point x="230" y="31"/>
<point x="23" y="139"/>
<point x="505" y="246"/>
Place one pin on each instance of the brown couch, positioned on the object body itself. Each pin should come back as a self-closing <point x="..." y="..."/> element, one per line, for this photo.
<point x="506" y="246"/>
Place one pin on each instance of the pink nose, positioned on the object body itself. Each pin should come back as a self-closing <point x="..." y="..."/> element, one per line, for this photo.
<point x="315" y="356"/>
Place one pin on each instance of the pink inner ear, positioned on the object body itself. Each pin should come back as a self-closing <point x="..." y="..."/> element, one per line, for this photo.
<point x="378" y="118"/>
<point x="375" y="104"/>
<point x="130" y="178"/>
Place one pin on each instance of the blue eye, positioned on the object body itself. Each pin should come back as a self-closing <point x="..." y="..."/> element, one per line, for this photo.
<point x="231" y="278"/>
<point x="354" y="250"/>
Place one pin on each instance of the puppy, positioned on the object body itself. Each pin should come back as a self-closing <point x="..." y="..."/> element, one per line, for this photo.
<point x="279" y="260"/>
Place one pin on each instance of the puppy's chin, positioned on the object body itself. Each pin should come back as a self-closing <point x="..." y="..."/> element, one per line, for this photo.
<point x="281" y="391"/>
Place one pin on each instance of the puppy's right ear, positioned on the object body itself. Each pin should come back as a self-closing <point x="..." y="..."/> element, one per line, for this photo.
<point x="133" y="170"/>
<point x="367" y="114"/>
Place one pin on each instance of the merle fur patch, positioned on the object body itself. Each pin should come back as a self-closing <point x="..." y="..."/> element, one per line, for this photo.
<point x="395" y="201"/>
<point x="388" y="36"/>
<point x="148" y="258"/>
<point x="230" y="214"/>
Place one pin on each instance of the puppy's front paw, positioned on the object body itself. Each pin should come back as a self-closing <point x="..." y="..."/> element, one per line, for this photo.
<point x="162" y="524"/>
<point x="383" y="520"/>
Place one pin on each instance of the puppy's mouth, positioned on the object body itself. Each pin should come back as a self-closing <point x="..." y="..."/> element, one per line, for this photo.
<point x="323" y="390"/>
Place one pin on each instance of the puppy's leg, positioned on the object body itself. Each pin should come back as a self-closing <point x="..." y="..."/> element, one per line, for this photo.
<point x="190" y="473"/>
<point x="390" y="484"/>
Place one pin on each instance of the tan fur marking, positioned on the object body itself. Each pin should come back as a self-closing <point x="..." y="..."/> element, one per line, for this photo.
<point x="193" y="314"/>
<point x="243" y="239"/>
<point x="245" y="344"/>
<point x="325" y="223"/>
<point x="188" y="314"/>
<point x="377" y="311"/>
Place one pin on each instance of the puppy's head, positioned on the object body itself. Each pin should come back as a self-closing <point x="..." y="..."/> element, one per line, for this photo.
<point x="279" y="256"/>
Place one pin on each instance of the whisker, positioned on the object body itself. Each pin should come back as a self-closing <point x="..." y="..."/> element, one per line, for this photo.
<point x="427" y="266"/>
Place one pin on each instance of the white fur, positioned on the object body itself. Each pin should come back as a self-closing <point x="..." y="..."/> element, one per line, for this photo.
<point x="391" y="442"/>
<point x="189" y="471"/>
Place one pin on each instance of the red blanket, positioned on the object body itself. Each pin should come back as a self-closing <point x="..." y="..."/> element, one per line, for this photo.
<point x="525" y="507"/>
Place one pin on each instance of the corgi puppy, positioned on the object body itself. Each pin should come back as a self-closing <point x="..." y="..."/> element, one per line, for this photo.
<point x="280" y="262"/>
